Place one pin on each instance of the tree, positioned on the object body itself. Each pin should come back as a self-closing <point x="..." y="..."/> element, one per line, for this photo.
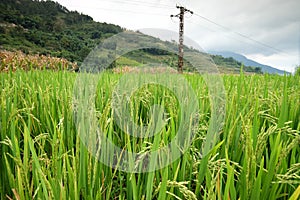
<point x="297" y="71"/>
<point x="258" y="70"/>
<point x="96" y="35"/>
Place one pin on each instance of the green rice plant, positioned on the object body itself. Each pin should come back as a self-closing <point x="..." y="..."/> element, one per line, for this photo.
<point x="42" y="156"/>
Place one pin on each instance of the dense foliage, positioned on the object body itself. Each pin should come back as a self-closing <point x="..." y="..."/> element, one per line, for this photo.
<point x="48" y="28"/>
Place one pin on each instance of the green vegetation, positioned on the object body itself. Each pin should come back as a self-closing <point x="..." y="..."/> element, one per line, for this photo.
<point x="123" y="61"/>
<point x="233" y="65"/>
<point x="42" y="157"/>
<point x="297" y="71"/>
<point x="48" y="28"/>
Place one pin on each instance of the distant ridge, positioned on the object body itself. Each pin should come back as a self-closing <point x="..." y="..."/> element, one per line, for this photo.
<point x="248" y="62"/>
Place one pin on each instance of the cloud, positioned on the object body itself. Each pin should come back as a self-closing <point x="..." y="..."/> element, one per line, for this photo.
<point x="275" y="23"/>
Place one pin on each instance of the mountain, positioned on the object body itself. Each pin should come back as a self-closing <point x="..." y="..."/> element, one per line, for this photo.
<point x="48" y="28"/>
<point x="232" y="65"/>
<point x="249" y="62"/>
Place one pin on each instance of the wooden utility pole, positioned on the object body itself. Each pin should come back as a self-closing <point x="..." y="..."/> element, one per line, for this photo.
<point x="180" y="45"/>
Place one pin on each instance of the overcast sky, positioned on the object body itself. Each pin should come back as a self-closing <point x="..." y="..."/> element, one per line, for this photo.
<point x="272" y="23"/>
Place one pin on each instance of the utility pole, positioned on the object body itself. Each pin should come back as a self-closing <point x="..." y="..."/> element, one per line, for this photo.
<point x="180" y="45"/>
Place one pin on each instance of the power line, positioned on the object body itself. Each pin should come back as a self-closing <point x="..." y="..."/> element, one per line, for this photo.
<point x="165" y="6"/>
<point x="225" y="35"/>
<point x="132" y="12"/>
<point x="119" y="10"/>
<point x="139" y="3"/>
<point x="149" y="3"/>
<point x="240" y="34"/>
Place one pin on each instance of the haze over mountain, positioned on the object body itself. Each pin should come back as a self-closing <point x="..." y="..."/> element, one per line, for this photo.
<point x="248" y="62"/>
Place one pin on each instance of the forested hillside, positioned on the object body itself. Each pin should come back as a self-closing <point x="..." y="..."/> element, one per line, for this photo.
<point x="46" y="27"/>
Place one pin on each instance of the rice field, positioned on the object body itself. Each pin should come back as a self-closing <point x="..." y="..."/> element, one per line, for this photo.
<point x="11" y="61"/>
<point x="256" y="157"/>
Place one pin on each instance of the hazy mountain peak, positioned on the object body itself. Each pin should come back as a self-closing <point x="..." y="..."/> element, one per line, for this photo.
<point x="248" y="62"/>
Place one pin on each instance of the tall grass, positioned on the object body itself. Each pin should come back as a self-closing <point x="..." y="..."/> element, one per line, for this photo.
<point x="42" y="157"/>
